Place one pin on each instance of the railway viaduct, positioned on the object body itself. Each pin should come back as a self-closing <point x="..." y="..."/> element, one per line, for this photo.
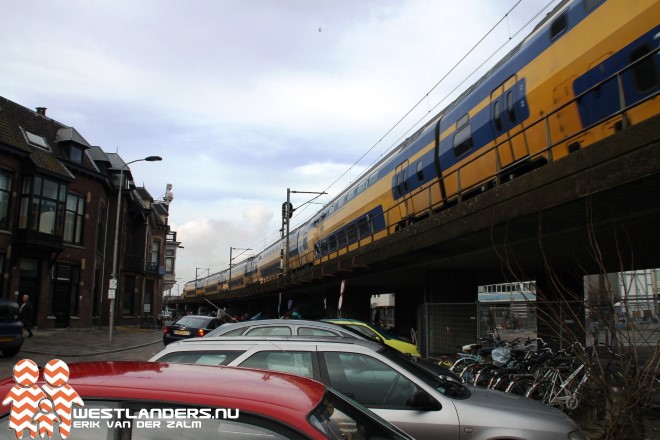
<point x="595" y="211"/>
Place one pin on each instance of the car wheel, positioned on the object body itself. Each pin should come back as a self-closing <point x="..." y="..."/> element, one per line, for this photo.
<point x="10" y="352"/>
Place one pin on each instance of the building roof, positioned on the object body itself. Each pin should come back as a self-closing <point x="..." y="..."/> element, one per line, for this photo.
<point x="40" y="137"/>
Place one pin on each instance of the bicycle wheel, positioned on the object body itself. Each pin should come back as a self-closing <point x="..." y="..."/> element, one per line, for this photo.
<point x="460" y="365"/>
<point x="469" y="374"/>
<point x="542" y="391"/>
<point x="485" y="374"/>
<point x="520" y="386"/>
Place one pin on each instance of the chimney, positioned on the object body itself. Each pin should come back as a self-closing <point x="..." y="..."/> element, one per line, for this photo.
<point x="41" y="111"/>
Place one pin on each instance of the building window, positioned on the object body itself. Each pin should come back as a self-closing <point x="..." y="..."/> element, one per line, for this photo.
<point x="2" y="274"/>
<point x="73" y="219"/>
<point x="76" y="154"/>
<point x="42" y="206"/>
<point x="100" y="231"/>
<point x="5" y="192"/>
<point x="65" y="287"/>
<point x="155" y="252"/>
<point x="169" y="261"/>
<point x="36" y="141"/>
<point x="129" y="296"/>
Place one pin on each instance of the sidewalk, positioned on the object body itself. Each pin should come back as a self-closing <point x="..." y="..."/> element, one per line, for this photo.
<point x="128" y="343"/>
<point x="84" y="343"/>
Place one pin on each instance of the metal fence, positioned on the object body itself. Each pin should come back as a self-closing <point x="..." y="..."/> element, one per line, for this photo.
<point x="448" y="326"/>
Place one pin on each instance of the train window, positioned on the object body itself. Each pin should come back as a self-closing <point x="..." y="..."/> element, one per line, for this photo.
<point x="463" y="140"/>
<point x="590" y="4"/>
<point x="363" y="227"/>
<point x="497" y="115"/>
<point x="644" y="72"/>
<point x="332" y="243"/>
<point x="352" y="233"/>
<point x="558" y="26"/>
<point x="397" y="184"/>
<point x="510" y="109"/>
<point x="404" y="179"/>
<point x="461" y="122"/>
<point x="372" y="179"/>
<point x="420" y="171"/>
<point x="341" y="239"/>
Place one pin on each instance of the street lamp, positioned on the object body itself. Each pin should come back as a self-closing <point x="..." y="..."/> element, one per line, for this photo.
<point x="115" y="264"/>
<point x="287" y="213"/>
<point x="231" y="249"/>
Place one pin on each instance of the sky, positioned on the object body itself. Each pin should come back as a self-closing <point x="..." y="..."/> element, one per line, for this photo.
<point x="244" y="99"/>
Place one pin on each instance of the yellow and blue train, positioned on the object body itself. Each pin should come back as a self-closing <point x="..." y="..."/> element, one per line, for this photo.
<point x="588" y="70"/>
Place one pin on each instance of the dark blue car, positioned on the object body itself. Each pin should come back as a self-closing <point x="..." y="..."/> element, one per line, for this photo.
<point x="11" y="328"/>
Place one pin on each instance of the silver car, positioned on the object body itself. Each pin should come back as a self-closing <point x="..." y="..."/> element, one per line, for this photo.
<point x="391" y="385"/>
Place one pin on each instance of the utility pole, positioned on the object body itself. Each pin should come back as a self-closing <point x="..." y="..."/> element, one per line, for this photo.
<point x="287" y="213"/>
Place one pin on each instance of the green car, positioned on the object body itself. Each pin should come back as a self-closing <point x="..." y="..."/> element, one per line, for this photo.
<point x="375" y="332"/>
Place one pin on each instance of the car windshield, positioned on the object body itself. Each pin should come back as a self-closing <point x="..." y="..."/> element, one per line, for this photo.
<point x="8" y="311"/>
<point x="447" y="387"/>
<point x="340" y="418"/>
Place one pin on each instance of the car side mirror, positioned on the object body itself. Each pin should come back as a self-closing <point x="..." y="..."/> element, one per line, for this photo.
<point x="423" y="401"/>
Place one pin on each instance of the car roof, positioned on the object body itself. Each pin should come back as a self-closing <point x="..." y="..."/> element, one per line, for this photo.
<point x="346" y="320"/>
<point x="284" y="322"/>
<point x="275" y="321"/>
<point x="279" y="341"/>
<point x="200" y="316"/>
<point x="230" y="387"/>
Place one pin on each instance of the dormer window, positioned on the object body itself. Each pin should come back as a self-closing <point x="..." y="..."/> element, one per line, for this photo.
<point x="76" y="153"/>
<point x="36" y="141"/>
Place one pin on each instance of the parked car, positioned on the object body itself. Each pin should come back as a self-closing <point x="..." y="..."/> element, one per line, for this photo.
<point x="169" y="401"/>
<point x="11" y="328"/>
<point x="190" y="326"/>
<point x="375" y="332"/>
<point x="297" y="327"/>
<point x="393" y="386"/>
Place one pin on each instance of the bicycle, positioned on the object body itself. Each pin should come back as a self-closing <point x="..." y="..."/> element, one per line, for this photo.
<point x="557" y="390"/>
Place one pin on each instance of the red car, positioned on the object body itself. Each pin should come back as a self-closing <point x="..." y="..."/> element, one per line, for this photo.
<point x="146" y="400"/>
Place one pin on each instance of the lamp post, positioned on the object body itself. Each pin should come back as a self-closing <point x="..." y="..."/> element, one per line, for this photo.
<point x="287" y="213"/>
<point x="231" y="249"/>
<point x="114" y="281"/>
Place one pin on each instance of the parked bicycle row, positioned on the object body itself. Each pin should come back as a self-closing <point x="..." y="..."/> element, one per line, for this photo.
<point x="531" y="368"/>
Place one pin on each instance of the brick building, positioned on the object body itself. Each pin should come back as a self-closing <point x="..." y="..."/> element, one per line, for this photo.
<point x="58" y="211"/>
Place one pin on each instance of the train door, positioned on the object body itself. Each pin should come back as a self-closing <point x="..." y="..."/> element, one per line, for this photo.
<point x="401" y="193"/>
<point x="563" y="120"/>
<point x="508" y="109"/>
